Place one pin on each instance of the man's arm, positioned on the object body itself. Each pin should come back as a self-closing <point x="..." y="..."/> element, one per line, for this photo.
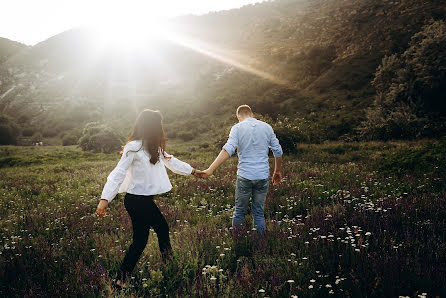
<point x="277" y="176"/>
<point x="277" y="152"/>
<point x="222" y="156"/>
<point x="228" y="149"/>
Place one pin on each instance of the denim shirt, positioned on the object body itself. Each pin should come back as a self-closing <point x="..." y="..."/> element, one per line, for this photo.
<point x="253" y="138"/>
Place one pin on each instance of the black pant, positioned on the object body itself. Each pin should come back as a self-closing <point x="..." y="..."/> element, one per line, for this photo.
<point x="144" y="214"/>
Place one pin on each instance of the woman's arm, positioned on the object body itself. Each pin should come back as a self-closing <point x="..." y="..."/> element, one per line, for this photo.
<point x="114" y="180"/>
<point x="175" y="165"/>
<point x="117" y="176"/>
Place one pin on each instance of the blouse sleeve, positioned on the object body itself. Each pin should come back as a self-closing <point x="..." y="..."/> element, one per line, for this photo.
<point x="175" y="165"/>
<point x="117" y="176"/>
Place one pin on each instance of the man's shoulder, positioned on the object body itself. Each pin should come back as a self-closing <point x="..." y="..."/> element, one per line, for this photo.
<point x="264" y="124"/>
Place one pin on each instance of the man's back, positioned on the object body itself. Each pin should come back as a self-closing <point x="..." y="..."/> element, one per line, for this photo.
<point x="253" y="139"/>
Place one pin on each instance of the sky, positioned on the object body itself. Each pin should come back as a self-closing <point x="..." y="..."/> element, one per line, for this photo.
<point x="32" y="21"/>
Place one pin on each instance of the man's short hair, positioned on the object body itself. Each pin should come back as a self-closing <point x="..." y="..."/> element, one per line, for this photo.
<point x="244" y="110"/>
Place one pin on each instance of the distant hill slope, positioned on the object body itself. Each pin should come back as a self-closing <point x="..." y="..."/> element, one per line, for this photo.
<point x="9" y="48"/>
<point x="313" y="60"/>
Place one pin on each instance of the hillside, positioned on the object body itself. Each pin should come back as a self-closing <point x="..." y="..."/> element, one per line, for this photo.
<point x="310" y="62"/>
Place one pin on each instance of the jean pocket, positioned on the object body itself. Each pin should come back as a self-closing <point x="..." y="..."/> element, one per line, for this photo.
<point x="262" y="185"/>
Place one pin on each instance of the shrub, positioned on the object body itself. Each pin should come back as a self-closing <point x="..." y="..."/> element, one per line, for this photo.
<point x="49" y="132"/>
<point x="27" y="132"/>
<point x="68" y="140"/>
<point x="8" y="131"/>
<point x="429" y="158"/>
<point x="37" y="137"/>
<point x="186" y="136"/>
<point x="71" y="137"/>
<point x="410" y="89"/>
<point x="99" y="138"/>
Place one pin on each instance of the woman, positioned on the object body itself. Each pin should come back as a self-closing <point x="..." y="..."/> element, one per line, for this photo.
<point x="141" y="173"/>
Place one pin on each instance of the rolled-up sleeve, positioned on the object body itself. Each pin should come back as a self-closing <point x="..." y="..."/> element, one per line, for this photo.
<point x="274" y="145"/>
<point x="232" y="142"/>
<point x="175" y="165"/>
<point x="118" y="174"/>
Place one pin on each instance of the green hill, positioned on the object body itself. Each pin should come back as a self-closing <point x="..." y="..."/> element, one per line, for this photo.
<point x="306" y="66"/>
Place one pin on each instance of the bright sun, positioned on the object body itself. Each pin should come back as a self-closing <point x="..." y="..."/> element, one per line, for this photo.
<point x="129" y="27"/>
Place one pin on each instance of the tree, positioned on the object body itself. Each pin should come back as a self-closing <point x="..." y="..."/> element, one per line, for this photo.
<point x="97" y="137"/>
<point x="8" y="131"/>
<point x="411" y="89"/>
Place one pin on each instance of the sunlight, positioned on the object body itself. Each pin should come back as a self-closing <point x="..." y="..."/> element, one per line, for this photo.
<point x="229" y="58"/>
<point x="128" y="26"/>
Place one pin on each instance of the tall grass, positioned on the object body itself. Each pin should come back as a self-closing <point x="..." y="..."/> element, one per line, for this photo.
<point x="342" y="223"/>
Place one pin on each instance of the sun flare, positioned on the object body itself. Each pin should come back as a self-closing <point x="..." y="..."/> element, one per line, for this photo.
<point x="128" y="27"/>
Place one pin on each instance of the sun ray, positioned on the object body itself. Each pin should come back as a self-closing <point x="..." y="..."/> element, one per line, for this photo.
<point x="222" y="56"/>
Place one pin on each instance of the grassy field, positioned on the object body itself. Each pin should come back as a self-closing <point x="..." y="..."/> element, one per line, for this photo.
<point x="349" y="219"/>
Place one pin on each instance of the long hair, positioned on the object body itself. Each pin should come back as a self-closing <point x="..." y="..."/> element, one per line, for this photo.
<point x="149" y="129"/>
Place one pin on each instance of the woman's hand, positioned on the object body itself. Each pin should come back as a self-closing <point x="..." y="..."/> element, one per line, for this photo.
<point x="102" y="208"/>
<point x="201" y="174"/>
<point x="204" y="174"/>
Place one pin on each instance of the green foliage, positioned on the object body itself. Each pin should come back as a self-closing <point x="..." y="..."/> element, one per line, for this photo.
<point x="325" y="59"/>
<point x="53" y="245"/>
<point x="68" y="140"/>
<point x="411" y="89"/>
<point x="8" y="130"/>
<point x="99" y="138"/>
<point x="71" y="137"/>
<point x="50" y="131"/>
<point x="17" y="160"/>
<point x="429" y="158"/>
<point x="37" y="137"/>
<point x="186" y="136"/>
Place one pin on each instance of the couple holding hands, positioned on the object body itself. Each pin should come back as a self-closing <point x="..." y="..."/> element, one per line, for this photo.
<point x="141" y="174"/>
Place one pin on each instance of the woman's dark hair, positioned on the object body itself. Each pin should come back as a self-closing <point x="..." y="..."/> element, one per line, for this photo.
<point x="149" y="129"/>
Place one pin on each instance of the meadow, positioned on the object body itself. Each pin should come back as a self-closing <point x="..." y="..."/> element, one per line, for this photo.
<point x="349" y="219"/>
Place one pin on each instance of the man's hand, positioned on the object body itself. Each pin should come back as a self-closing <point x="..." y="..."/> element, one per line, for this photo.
<point x="277" y="176"/>
<point x="102" y="208"/>
<point x="203" y="174"/>
<point x="197" y="173"/>
<point x="206" y="173"/>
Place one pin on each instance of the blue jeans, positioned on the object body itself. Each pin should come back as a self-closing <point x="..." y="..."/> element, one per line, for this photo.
<point x="244" y="190"/>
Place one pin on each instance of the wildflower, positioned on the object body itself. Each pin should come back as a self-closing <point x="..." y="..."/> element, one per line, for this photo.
<point x="290" y="281"/>
<point x="261" y="291"/>
<point x="310" y="287"/>
<point x="312" y="281"/>
<point x="213" y="278"/>
<point x="328" y="286"/>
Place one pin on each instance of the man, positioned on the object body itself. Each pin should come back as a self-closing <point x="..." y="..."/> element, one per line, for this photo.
<point x="252" y="138"/>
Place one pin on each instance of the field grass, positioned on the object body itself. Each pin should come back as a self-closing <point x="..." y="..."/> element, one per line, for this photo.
<point x="349" y="219"/>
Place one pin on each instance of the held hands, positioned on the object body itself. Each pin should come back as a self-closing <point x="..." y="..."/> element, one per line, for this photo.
<point x="102" y="208"/>
<point x="202" y="174"/>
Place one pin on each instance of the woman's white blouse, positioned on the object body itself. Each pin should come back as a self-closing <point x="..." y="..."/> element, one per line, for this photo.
<point x="136" y="175"/>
